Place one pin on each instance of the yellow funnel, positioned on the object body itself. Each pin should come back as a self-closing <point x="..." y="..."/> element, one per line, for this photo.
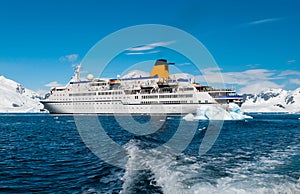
<point x="160" y="69"/>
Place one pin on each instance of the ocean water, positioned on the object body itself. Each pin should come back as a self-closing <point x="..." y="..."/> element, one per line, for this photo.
<point x="46" y="154"/>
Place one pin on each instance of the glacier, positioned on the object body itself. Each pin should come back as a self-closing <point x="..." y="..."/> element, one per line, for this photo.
<point x="273" y="100"/>
<point x="17" y="99"/>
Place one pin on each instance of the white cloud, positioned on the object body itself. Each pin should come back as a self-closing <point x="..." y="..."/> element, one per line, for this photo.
<point x="289" y="72"/>
<point x="136" y="53"/>
<point x="141" y="48"/>
<point x="291" y="61"/>
<point x="252" y="80"/>
<point x="267" y="20"/>
<point x="183" y="64"/>
<point x="141" y="53"/>
<point x="248" y="81"/>
<point x="255" y="74"/>
<point x="252" y="66"/>
<point x="150" y="46"/>
<point x="53" y="84"/>
<point x="69" y="58"/>
<point x="211" y="69"/>
<point x="236" y="78"/>
<point x="258" y="86"/>
<point x="295" y="81"/>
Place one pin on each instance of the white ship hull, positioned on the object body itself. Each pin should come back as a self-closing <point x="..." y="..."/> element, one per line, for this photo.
<point x="118" y="108"/>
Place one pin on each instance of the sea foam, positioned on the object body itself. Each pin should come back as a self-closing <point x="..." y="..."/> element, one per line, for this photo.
<point x="179" y="173"/>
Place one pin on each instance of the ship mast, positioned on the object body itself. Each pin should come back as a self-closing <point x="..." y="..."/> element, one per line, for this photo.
<point x="77" y="73"/>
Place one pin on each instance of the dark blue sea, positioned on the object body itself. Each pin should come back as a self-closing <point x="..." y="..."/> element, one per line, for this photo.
<point x="43" y="153"/>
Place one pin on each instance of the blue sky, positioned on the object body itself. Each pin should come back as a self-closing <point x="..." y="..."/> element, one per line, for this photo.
<point x="256" y="44"/>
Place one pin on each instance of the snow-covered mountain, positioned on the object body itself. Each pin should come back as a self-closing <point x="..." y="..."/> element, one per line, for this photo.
<point x="182" y="76"/>
<point x="135" y="74"/>
<point x="273" y="100"/>
<point x="16" y="99"/>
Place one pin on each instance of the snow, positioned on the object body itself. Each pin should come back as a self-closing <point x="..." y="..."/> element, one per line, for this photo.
<point x="16" y="99"/>
<point x="215" y="112"/>
<point x="273" y="100"/>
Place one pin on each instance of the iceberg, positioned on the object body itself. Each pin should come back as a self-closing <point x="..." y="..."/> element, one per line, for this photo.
<point x="213" y="112"/>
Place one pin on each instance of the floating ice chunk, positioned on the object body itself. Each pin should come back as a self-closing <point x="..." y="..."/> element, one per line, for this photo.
<point x="201" y="129"/>
<point x="189" y="117"/>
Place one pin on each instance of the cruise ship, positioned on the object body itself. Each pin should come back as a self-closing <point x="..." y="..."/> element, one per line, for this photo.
<point x="154" y="94"/>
